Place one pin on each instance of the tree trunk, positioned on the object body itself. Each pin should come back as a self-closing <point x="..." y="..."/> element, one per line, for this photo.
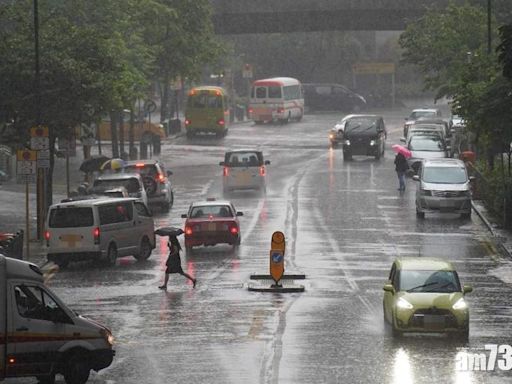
<point x="113" y="134"/>
<point x="165" y="99"/>
<point x="121" y="134"/>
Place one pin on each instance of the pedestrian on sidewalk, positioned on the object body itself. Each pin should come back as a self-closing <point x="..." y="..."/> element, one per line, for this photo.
<point x="173" y="262"/>
<point x="401" y="168"/>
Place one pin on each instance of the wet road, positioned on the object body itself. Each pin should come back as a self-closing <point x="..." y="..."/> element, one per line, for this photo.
<point x="344" y="224"/>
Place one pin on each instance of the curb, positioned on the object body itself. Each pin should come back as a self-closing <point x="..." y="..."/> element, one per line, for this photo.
<point x="504" y="250"/>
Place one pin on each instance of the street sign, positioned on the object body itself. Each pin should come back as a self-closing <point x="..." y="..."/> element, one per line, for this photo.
<point x="373" y="68"/>
<point x="39" y="138"/>
<point x="149" y="106"/>
<point x="68" y="145"/>
<point x="26" y="166"/>
<point x="43" y="159"/>
<point x="247" y="71"/>
<point x="277" y="256"/>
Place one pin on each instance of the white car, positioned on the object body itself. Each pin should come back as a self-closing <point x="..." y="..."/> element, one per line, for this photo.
<point x="131" y="181"/>
<point x="425" y="113"/>
<point x="244" y="169"/>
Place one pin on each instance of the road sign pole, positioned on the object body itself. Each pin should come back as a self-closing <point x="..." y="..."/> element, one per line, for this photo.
<point x="27" y="221"/>
<point x="67" y="172"/>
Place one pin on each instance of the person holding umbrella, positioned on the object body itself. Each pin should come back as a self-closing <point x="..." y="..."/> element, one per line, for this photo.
<point x="173" y="262"/>
<point x="401" y="165"/>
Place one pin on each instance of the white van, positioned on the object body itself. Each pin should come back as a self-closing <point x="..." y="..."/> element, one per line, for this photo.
<point x="40" y="335"/>
<point x="101" y="229"/>
<point x="276" y="99"/>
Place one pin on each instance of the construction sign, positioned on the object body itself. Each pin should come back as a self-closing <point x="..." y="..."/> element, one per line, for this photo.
<point x="277" y="250"/>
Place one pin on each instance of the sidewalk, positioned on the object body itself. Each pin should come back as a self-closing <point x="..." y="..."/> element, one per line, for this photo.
<point x="502" y="237"/>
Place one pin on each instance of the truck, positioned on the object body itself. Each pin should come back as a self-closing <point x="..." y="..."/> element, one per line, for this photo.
<point x="40" y="336"/>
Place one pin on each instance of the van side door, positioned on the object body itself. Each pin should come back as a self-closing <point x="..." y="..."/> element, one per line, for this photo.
<point x="38" y="327"/>
<point x="117" y="225"/>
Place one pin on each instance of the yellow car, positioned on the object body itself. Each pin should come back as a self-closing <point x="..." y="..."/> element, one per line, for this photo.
<point x="425" y="295"/>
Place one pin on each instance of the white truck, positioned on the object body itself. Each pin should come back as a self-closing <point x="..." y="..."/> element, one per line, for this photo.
<point x="40" y="336"/>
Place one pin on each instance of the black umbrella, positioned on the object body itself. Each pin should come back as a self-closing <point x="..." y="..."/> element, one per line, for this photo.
<point x="169" y="231"/>
<point x="93" y="163"/>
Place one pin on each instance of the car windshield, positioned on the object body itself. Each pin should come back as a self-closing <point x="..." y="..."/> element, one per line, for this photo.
<point x="131" y="184"/>
<point x="361" y="124"/>
<point x="244" y="159"/>
<point x="429" y="281"/>
<point x="426" y="143"/>
<point x="417" y="114"/>
<point x="444" y="175"/>
<point x="207" y="211"/>
<point x="142" y="169"/>
<point x="71" y="217"/>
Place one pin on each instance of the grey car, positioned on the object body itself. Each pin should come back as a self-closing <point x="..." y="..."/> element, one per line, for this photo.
<point x="425" y="147"/>
<point x="443" y="186"/>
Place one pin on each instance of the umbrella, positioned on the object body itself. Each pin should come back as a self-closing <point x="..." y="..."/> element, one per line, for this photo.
<point x="93" y="163"/>
<point x="401" y="149"/>
<point x="169" y="231"/>
<point x="113" y="165"/>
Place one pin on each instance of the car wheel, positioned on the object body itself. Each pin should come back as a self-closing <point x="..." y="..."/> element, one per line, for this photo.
<point x="347" y="156"/>
<point x="145" y="250"/>
<point x="419" y="214"/>
<point x="77" y="369"/>
<point x="111" y="254"/>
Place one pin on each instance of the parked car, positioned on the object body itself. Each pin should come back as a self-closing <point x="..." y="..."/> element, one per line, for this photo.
<point x="156" y="179"/>
<point x="131" y="181"/>
<point x="426" y="147"/>
<point x="244" y="169"/>
<point x="99" y="229"/>
<point x="363" y="135"/>
<point x="334" y="97"/>
<point x="430" y="113"/>
<point x="425" y="295"/>
<point x="443" y="186"/>
<point x="212" y="222"/>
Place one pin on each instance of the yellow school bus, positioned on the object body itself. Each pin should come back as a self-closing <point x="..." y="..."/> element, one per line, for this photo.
<point x="207" y="111"/>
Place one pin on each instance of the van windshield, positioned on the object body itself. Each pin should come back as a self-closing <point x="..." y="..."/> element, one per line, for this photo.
<point x="444" y="175"/>
<point x="71" y="217"/>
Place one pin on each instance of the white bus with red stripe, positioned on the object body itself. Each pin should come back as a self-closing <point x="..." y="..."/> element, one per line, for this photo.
<point x="276" y="99"/>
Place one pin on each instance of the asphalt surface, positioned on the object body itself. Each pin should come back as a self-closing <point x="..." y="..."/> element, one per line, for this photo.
<point x="344" y="223"/>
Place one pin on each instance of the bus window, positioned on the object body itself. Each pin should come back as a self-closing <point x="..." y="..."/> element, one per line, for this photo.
<point x="214" y="102"/>
<point x="274" y="92"/>
<point x="261" y="93"/>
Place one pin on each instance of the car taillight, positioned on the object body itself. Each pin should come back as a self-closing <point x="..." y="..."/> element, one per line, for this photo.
<point x="262" y="171"/>
<point x="187" y="122"/>
<point x="280" y="109"/>
<point x="251" y="110"/>
<point x="161" y="178"/>
<point x="225" y="172"/>
<point x="96" y="235"/>
<point x="234" y="230"/>
<point x="188" y="231"/>
<point x="47" y="238"/>
<point x="221" y="122"/>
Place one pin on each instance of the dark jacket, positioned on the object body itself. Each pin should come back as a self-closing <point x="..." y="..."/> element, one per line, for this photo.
<point x="401" y="163"/>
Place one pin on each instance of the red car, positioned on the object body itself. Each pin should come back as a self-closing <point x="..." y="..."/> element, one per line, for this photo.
<point x="212" y="222"/>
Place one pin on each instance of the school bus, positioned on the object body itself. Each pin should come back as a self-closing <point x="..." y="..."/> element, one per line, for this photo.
<point x="207" y="111"/>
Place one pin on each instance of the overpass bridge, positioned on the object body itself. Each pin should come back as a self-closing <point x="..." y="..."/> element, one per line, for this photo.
<point x="273" y="16"/>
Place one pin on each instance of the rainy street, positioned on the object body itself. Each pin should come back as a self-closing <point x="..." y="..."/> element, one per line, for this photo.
<point x="344" y="223"/>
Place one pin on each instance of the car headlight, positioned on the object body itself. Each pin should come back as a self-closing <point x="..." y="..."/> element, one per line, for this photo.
<point x="403" y="304"/>
<point x="372" y="142"/>
<point x="426" y="192"/>
<point x="107" y="335"/>
<point x="346" y="142"/>
<point x="460" y="304"/>
<point x="331" y="135"/>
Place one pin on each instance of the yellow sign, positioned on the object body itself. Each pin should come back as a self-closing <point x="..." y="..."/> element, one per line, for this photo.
<point x="39" y="131"/>
<point x="277" y="249"/>
<point x="373" y="68"/>
<point x="26" y="155"/>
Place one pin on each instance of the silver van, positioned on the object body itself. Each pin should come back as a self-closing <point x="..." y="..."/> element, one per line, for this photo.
<point x="100" y="229"/>
<point x="131" y="181"/>
<point x="443" y="186"/>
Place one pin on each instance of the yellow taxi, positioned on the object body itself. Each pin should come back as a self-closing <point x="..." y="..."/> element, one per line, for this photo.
<point x="425" y="295"/>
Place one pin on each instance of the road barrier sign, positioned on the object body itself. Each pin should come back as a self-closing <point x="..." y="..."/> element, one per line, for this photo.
<point x="26" y="166"/>
<point x="277" y="256"/>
